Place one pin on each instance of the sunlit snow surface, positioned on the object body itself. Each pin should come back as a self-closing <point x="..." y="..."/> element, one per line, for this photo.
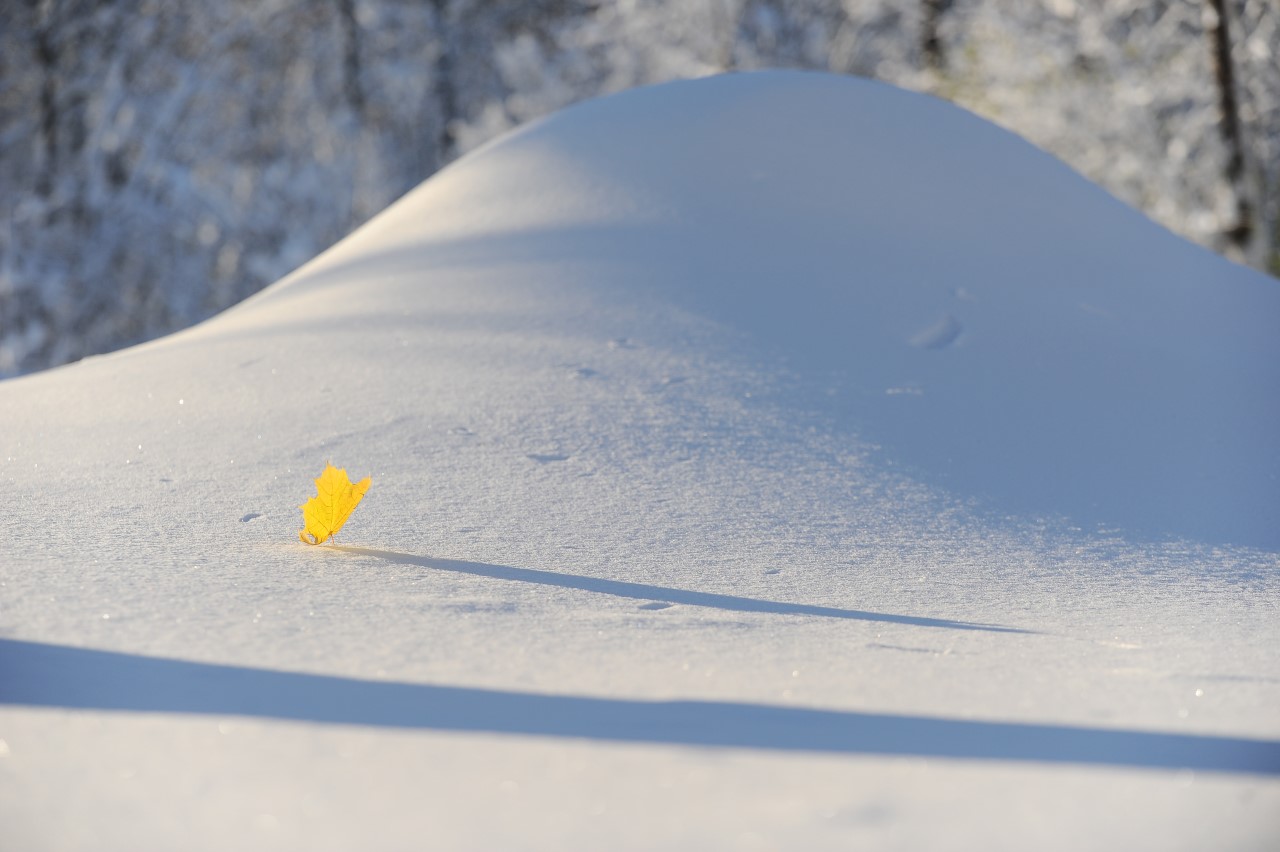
<point x="769" y="461"/>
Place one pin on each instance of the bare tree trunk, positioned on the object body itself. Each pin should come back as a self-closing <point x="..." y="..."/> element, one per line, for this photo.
<point x="445" y="90"/>
<point x="726" y="23"/>
<point x="1241" y="232"/>
<point x="47" y="58"/>
<point x="931" y="47"/>
<point x="351" y="54"/>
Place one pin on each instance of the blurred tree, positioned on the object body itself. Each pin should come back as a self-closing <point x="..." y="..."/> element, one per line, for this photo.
<point x="931" y="45"/>
<point x="1240" y="232"/>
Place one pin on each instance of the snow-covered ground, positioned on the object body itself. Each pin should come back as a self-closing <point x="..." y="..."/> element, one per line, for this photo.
<point x="771" y="461"/>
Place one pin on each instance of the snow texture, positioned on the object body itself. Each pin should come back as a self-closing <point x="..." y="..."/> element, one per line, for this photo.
<point x="767" y="461"/>
<point x="161" y="161"/>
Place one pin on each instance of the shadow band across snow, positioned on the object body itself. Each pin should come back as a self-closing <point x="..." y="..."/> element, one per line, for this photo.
<point x="56" y="676"/>
<point x="662" y="594"/>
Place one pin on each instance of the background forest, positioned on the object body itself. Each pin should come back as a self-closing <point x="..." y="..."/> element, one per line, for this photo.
<point x="161" y="160"/>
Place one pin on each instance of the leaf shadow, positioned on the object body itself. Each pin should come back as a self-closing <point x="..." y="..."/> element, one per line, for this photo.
<point x="663" y="594"/>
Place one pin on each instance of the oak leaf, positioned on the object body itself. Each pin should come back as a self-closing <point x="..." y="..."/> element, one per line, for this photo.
<point x="336" y="498"/>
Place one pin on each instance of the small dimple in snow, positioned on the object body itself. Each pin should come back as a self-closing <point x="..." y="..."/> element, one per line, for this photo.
<point x="909" y="649"/>
<point x="657" y="605"/>
<point x="250" y="517"/>
<point x="545" y="458"/>
<point x="667" y="382"/>
<point x="1095" y="310"/>
<point x="939" y="335"/>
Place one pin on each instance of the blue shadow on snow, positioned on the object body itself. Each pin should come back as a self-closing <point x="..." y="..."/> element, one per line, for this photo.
<point x="41" y="675"/>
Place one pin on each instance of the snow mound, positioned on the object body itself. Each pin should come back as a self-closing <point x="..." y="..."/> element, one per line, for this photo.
<point x="997" y="324"/>
<point x="719" y="435"/>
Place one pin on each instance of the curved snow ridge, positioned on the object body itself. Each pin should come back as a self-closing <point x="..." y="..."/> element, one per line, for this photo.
<point x="1000" y="326"/>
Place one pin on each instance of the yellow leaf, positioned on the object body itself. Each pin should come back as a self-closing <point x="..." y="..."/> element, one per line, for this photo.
<point x="336" y="498"/>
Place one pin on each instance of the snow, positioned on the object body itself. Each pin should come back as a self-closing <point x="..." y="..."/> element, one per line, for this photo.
<point x="766" y="461"/>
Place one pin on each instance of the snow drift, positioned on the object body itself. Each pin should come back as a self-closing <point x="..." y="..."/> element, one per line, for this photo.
<point x="998" y="325"/>
<point x="696" y="416"/>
